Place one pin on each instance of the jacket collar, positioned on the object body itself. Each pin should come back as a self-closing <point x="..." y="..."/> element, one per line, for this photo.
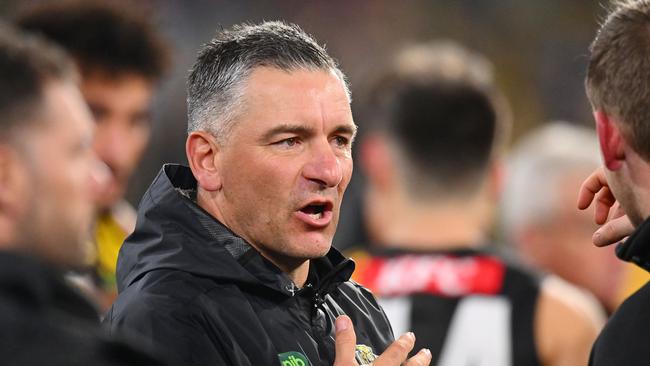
<point x="636" y="248"/>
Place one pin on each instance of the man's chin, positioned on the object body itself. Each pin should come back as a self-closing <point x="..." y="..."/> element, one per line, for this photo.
<point x="318" y="248"/>
<point x="308" y="246"/>
<point x="108" y="200"/>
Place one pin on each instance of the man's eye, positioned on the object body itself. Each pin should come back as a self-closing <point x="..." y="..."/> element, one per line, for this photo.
<point x="99" y="114"/>
<point x="341" y="141"/>
<point x="141" y="121"/>
<point x="292" y="141"/>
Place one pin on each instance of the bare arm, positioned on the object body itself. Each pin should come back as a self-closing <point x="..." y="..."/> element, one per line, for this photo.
<point x="567" y="321"/>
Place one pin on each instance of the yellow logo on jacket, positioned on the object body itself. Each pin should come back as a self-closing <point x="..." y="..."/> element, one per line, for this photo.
<point x="364" y="355"/>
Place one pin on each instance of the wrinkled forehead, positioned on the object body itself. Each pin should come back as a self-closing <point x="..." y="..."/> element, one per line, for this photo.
<point x="300" y="78"/>
<point x="275" y="91"/>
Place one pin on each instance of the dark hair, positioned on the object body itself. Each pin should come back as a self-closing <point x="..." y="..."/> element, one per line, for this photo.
<point x="100" y="36"/>
<point x="438" y="104"/>
<point x="216" y="82"/>
<point x="27" y="65"/>
<point x="619" y="71"/>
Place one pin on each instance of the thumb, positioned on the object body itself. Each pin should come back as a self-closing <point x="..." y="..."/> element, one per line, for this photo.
<point x="613" y="231"/>
<point x="346" y="342"/>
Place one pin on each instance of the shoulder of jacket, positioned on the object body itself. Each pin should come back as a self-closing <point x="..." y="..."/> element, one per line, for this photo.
<point x="355" y="291"/>
<point x="351" y="285"/>
<point x="169" y="288"/>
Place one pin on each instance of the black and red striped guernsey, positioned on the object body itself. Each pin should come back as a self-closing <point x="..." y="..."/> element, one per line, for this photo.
<point x="469" y="307"/>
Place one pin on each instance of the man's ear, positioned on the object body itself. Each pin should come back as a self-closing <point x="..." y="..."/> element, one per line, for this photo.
<point x="202" y="152"/>
<point x="13" y="180"/>
<point x="611" y="141"/>
<point x="496" y="174"/>
<point x="376" y="160"/>
<point x="5" y="171"/>
<point x="12" y="174"/>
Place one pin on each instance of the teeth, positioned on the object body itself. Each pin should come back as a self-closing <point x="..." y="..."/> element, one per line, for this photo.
<point x="316" y="216"/>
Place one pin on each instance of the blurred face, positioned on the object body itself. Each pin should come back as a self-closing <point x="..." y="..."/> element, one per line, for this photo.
<point x="120" y="107"/>
<point x="287" y="163"/>
<point x="565" y="240"/>
<point x="59" y="166"/>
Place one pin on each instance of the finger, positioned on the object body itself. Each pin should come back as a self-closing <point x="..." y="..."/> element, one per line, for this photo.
<point x="604" y="201"/>
<point x="616" y="212"/>
<point x="345" y="342"/>
<point x="594" y="183"/>
<point x="397" y="352"/>
<point x="422" y="358"/>
<point x="613" y="231"/>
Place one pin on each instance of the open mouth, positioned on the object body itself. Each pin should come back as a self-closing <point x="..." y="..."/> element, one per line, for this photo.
<point x="317" y="210"/>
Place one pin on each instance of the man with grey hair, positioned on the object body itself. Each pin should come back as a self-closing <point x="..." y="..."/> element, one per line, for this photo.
<point x="231" y="259"/>
<point x="545" y="229"/>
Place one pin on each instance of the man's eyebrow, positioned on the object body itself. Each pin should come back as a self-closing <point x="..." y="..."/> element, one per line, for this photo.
<point x="307" y="131"/>
<point x="287" y="128"/>
<point x="349" y="129"/>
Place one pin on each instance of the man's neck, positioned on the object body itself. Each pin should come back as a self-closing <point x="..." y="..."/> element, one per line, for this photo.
<point x="298" y="274"/>
<point x="433" y="230"/>
<point x="422" y="226"/>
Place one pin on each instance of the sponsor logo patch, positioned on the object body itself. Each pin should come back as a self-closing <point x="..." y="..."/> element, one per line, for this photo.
<point x="293" y="359"/>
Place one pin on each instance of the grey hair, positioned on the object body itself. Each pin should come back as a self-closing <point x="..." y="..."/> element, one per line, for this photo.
<point x="217" y="81"/>
<point x="536" y="167"/>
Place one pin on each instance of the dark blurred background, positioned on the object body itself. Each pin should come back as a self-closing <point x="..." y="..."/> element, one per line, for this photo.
<point x="539" y="50"/>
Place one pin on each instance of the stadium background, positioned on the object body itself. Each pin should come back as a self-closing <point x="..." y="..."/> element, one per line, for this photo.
<point x="539" y="49"/>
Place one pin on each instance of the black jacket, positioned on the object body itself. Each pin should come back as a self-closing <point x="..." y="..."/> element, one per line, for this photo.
<point x="45" y="322"/>
<point x="625" y="340"/>
<point x="194" y="288"/>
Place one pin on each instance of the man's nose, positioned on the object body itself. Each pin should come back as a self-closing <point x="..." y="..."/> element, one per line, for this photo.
<point x="324" y="166"/>
<point x="111" y="145"/>
<point x="99" y="176"/>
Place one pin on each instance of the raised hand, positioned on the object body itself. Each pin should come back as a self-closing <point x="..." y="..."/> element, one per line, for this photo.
<point x="394" y="355"/>
<point x="608" y="213"/>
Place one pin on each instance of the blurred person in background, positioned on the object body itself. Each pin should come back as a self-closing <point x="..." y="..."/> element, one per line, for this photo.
<point x="431" y="155"/>
<point x="121" y="59"/>
<point x="546" y="230"/>
<point x="618" y="89"/>
<point x="47" y="168"/>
